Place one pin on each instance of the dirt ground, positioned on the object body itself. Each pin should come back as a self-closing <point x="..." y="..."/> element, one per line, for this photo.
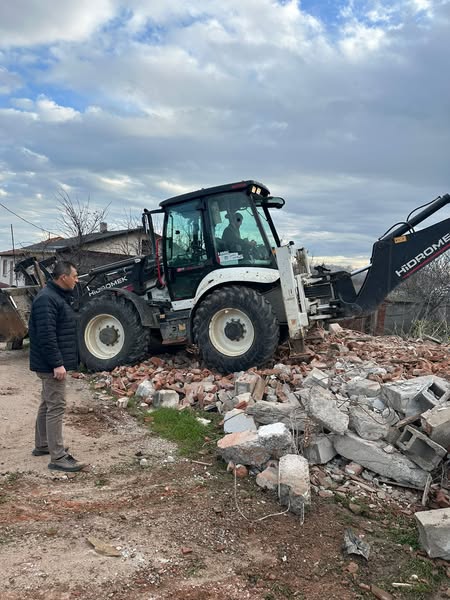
<point x="175" y="523"/>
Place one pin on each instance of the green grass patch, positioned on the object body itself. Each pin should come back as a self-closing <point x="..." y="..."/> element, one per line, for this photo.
<point x="405" y="533"/>
<point x="183" y="428"/>
<point x="430" y="577"/>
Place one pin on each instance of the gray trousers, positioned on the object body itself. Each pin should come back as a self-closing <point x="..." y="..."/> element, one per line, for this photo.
<point x="49" y="421"/>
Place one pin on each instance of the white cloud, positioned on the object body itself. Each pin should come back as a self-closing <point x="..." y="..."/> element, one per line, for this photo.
<point x="9" y="81"/>
<point x="26" y="22"/>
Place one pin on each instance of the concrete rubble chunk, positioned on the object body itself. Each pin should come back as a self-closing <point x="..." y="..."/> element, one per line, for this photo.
<point x="243" y="448"/>
<point x="166" y="399"/>
<point x="317" y="377"/>
<point x="246" y="383"/>
<point x="417" y="395"/>
<point x="256" y="447"/>
<point x="436" y="423"/>
<point x="420" y="449"/>
<point x="268" y="479"/>
<point x="291" y="414"/>
<point x="237" y="420"/>
<point x="145" y="389"/>
<point x="276" y="438"/>
<point x="372" y="456"/>
<point x="368" y="424"/>
<point x="319" y="450"/>
<point x="359" y="386"/>
<point x="294" y="488"/>
<point x="335" y="328"/>
<point x="434" y="532"/>
<point x="321" y="406"/>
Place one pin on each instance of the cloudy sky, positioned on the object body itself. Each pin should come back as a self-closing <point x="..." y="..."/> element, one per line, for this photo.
<point x="340" y="106"/>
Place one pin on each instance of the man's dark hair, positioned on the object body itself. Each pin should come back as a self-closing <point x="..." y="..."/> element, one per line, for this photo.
<point x="62" y="267"/>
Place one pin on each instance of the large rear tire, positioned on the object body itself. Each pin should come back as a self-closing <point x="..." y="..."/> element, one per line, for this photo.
<point x="236" y="328"/>
<point x="110" y="334"/>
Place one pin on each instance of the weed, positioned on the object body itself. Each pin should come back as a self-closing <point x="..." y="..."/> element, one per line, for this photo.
<point x="181" y="427"/>
<point x="12" y="477"/>
<point x="404" y="533"/>
<point x="101" y="481"/>
<point x="429" y="578"/>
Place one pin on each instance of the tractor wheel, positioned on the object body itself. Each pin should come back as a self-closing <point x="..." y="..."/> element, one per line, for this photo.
<point x="111" y="334"/>
<point x="236" y="328"/>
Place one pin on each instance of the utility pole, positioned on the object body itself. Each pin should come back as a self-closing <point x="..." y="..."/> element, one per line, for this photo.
<point x="14" y="252"/>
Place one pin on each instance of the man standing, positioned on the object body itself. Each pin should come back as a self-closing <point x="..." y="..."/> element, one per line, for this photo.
<point x="53" y="352"/>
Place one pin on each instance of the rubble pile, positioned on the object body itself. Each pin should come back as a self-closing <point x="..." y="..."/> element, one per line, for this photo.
<point x="354" y="417"/>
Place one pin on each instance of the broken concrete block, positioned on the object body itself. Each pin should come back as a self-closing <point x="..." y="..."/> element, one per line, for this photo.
<point x="145" y="389"/>
<point x="291" y="414"/>
<point x="436" y="423"/>
<point x="367" y="424"/>
<point x="317" y="377"/>
<point x="420" y="449"/>
<point x="321" y="406"/>
<point x="359" y="386"/>
<point x="372" y="456"/>
<point x="268" y="479"/>
<point x="166" y="399"/>
<point x="416" y="395"/>
<point x="335" y="328"/>
<point x="122" y="402"/>
<point x="246" y="383"/>
<point x="320" y="450"/>
<point x="434" y="532"/>
<point x="237" y="420"/>
<point x="243" y="448"/>
<point x="294" y="488"/>
<point x="276" y="438"/>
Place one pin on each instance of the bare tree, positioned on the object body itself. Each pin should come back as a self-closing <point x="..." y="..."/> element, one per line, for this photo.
<point x="78" y="220"/>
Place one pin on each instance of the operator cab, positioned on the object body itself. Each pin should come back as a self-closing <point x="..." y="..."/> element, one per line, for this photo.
<point x="215" y="228"/>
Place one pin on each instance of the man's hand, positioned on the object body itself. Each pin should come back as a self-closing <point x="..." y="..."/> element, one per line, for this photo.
<point x="59" y="373"/>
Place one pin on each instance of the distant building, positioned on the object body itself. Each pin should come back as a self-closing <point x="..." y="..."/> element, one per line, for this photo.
<point x="92" y="250"/>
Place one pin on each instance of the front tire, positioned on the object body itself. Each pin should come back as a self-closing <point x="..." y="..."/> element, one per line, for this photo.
<point x="236" y="328"/>
<point x="110" y="334"/>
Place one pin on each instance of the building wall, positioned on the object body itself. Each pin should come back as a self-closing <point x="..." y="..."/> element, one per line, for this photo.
<point x="128" y="243"/>
<point x="7" y="275"/>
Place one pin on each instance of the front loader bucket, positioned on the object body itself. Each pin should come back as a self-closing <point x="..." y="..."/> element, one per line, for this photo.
<point x="15" y="307"/>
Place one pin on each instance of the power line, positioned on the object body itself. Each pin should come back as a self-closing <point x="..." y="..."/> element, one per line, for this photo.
<point x="29" y="222"/>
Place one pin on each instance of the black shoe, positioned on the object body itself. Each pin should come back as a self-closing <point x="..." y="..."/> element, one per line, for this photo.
<point x="37" y="452"/>
<point x="66" y="463"/>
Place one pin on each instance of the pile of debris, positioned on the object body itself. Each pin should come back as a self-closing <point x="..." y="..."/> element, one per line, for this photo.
<point x="354" y="415"/>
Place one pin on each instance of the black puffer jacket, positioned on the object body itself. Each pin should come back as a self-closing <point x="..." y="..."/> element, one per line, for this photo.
<point x="52" y="330"/>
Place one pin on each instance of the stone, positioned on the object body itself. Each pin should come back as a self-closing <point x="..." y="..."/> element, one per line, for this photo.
<point x="291" y="414"/>
<point x="243" y="448"/>
<point x="240" y="471"/>
<point x="317" y="377"/>
<point x="436" y="423"/>
<point x="294" y="488"/>
<point x="372" y="456"/>
<point x="321" y="406"/>
<point x="276" y="438"/>
<point x="237" y="420"/>
<point x="246" y="383"/>
<point x="145" y="389"/>
<point x="367" y="424"/>
<point x="434" y="532"/>
<point x="420" y="449"/>
<point x="166" y="399"/>
<point x="268" y="479"/>
<point x="359" y="386"/>
<point x="122" y="402"/>
<point x="319" y="450"/>
<point x="335" y="328"/>
<point x="416" y="395"/>
<point x="353" y="469"/>
<point x="380" y="594"/>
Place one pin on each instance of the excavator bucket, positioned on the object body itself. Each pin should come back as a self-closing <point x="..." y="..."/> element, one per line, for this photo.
<point x="15" y="307"/>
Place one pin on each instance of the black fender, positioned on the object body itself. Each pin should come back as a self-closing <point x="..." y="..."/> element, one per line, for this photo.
<point x="148" y="315"/>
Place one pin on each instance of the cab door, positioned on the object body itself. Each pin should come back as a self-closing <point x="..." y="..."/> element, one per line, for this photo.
<point x="185" y="249"/>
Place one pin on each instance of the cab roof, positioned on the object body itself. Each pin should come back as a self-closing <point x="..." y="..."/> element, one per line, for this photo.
<point x="220" y="189"/>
